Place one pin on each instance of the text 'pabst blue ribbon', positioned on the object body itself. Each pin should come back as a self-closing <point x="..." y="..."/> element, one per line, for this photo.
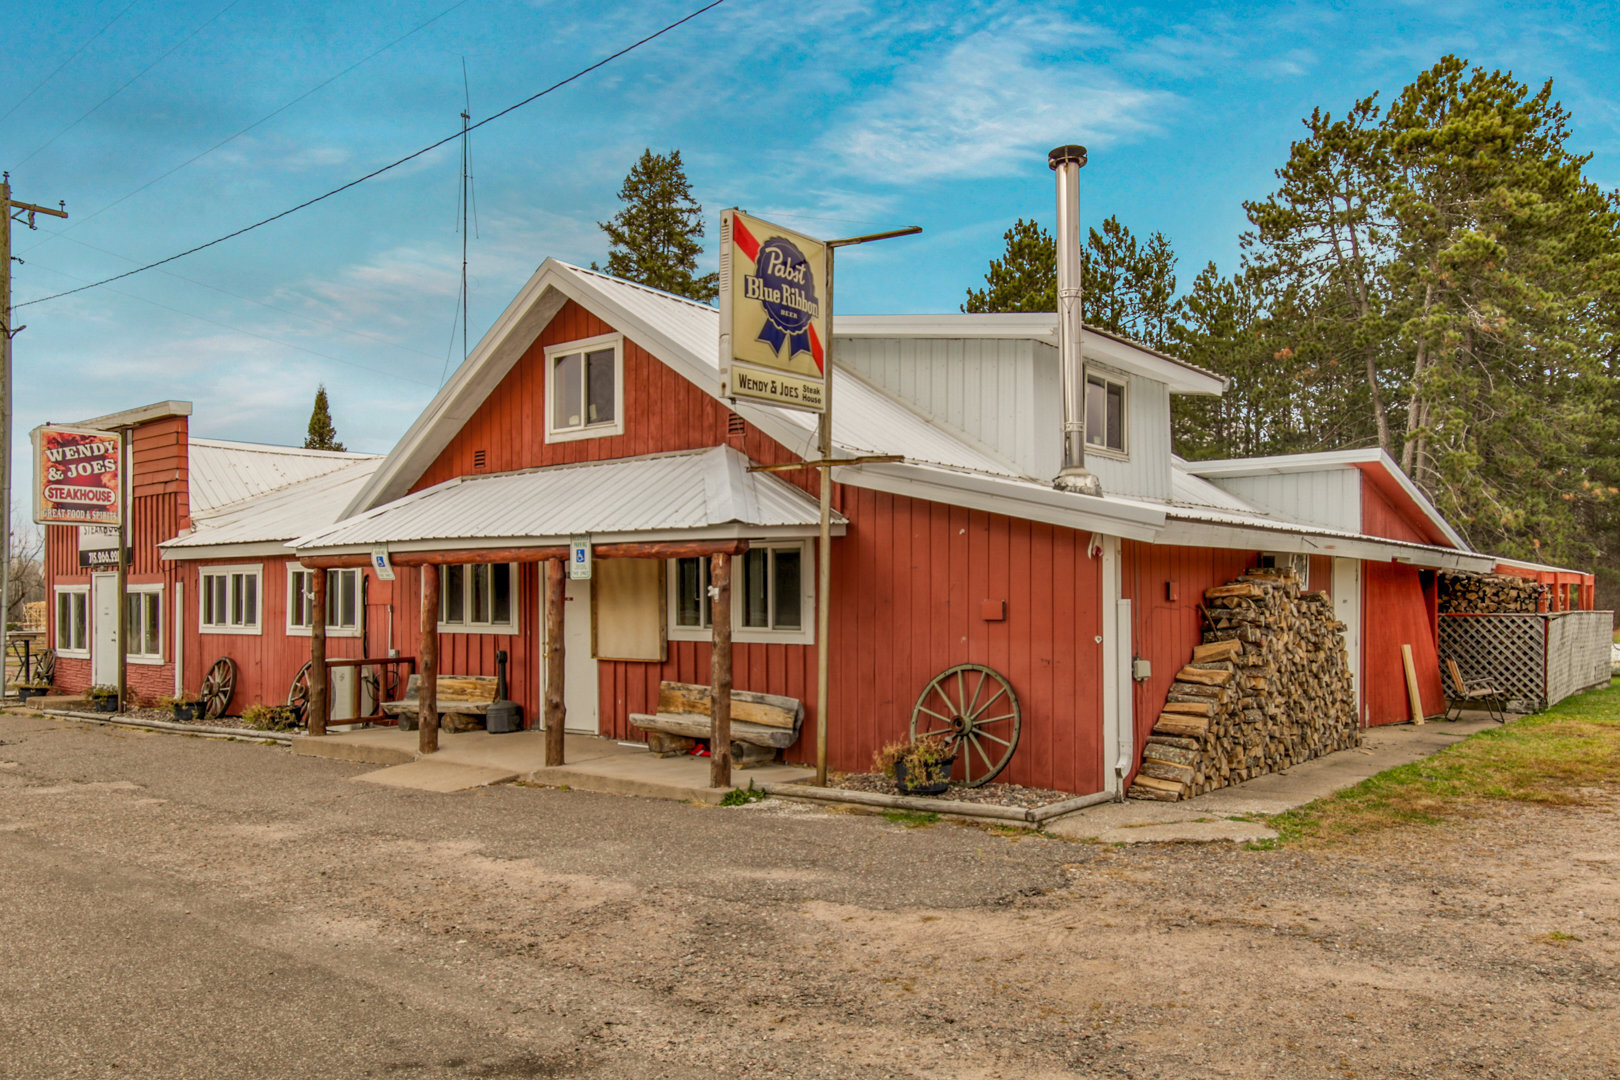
<point x="783" y="285"/>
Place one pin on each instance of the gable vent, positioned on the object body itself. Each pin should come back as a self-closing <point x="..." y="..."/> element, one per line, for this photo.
<point x="736" y="426"/>
<point x="480" y="459"/>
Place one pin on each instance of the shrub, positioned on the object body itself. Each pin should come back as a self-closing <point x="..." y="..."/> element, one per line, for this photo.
<point x="270" y="717"/>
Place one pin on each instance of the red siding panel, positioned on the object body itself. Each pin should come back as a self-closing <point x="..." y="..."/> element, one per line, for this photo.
<point x="1398" y="609"/>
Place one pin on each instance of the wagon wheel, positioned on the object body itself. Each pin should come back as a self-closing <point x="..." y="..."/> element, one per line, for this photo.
<point x="45" y="666"/>
<point x="217" y="687"/>
<point x="976" y="711"/>
<point x="298" y="694"/>
<point x="381" y="685"/>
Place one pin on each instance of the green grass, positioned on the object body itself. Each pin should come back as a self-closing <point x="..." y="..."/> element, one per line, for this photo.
<point x="911" y="819"/>
<point x="1553" y="758"/>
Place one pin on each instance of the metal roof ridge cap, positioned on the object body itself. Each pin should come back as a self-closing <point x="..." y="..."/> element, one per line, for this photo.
<point x="728" y="487"/>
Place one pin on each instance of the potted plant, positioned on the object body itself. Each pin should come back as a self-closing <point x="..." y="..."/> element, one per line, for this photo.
<point x="103" y="698"/>
<point x="186" y="707"/>
<point x="919" y="768"/>
<point x="32" y="689"/>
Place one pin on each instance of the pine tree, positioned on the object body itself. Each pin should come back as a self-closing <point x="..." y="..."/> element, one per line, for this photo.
<point x="322" y="435"/>
<point x="1129" y="287"/>
<point x="657" y="235"/>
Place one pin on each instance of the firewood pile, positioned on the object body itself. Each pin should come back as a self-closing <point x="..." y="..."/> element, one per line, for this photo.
<point x="1269" y="688"/>
<point x="1489" y="594"/>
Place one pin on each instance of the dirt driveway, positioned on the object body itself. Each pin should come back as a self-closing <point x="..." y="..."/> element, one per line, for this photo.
<point x="176" y="907"/>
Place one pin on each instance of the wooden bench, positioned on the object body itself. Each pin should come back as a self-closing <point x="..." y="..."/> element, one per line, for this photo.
<point x="761" y="724"/>
<point x="461" y="698"/>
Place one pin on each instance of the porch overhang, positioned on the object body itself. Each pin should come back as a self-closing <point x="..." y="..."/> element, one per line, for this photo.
<point x="693" y="502"/>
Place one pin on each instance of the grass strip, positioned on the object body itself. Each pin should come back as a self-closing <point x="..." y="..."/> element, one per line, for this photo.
<point x="1555" y="758"/>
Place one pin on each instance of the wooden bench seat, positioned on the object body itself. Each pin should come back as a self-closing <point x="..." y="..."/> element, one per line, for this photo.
<point x="462" y="697"/>
<point x="761" y="724"/>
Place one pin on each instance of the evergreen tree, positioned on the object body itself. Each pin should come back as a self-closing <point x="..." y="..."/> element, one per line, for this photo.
<point x="1128" y="287"/>
<point x="657" y="235"/>
<point x="322" y="435"/>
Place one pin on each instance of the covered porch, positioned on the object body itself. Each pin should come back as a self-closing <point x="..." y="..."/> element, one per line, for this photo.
<point x="704" y="508"/>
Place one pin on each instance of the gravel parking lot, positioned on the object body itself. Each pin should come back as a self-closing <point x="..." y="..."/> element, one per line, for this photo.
<point x="182" y="907"/>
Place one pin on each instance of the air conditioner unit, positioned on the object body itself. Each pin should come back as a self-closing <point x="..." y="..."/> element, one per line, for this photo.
<point x="1299" y="563"/>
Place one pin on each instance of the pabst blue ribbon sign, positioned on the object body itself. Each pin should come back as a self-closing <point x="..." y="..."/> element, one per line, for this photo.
<point x="773" y="316"/>
<point x="75" y="477"/>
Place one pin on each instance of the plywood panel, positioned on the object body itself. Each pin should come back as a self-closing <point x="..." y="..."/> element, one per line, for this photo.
<point x="628" y="598"/>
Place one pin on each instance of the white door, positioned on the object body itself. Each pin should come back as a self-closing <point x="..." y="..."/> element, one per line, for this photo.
<point x="104" y="629"/>
<point x="1347" y="609"/>
<point x="579" y="667"/>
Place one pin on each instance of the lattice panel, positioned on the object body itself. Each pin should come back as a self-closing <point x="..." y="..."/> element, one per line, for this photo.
<point x="1506" y="649"/>
<point x="1577" y="652"/>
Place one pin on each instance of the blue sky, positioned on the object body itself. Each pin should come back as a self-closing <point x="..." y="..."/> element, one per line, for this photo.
<point x="835" y="118"/>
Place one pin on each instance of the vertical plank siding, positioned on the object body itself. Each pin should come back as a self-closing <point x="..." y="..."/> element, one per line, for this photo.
<point x="1379" y="517"/>
<point x="1164" y="630"/>
<point x="1398" y="609"/>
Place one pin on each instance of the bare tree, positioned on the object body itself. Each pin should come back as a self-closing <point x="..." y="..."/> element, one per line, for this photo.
<point x="27" y="582"/>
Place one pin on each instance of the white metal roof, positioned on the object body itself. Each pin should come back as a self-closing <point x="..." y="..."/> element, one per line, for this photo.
<point x="277" y="516"/>
<point x="227" y="472"/>
<point x="697" y="492"/>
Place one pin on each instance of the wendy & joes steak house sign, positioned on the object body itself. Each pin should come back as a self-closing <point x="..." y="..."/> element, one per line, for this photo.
<point x="76" y="478"/>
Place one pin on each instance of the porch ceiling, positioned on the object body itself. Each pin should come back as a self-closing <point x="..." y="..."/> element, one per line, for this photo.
<point x="698" y="493"/>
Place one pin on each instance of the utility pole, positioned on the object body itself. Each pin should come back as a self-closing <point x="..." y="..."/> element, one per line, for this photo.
<point x="13" y="211"/>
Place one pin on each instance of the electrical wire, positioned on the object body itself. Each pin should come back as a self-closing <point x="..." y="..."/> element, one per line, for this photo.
<point x="576" y="76"/>
<point x="28" y="96"/>
<point x="126" y="85"/>
<point x="85" y="218"/>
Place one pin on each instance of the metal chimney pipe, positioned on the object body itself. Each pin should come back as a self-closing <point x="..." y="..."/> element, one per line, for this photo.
<point x="1067" y="161"/>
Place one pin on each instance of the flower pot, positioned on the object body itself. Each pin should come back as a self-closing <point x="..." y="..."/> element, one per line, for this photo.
<point x="25" y="693"/>
<point x="185" y="714"/>
<point x="933" y="782"/>
<point x="104" y="704"/>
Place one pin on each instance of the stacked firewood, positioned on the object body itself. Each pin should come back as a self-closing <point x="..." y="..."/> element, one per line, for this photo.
<point x="1489" y="594"/>
<point x="1269" y="688"/>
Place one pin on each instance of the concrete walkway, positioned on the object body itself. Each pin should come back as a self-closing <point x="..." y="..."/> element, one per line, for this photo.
<point x="473" y="759"/>
<point x="1205" y="817"/>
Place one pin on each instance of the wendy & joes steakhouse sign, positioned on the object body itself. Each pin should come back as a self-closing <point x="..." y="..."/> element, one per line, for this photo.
<point x="773" y="314"/>
<point x="76" y="473"/>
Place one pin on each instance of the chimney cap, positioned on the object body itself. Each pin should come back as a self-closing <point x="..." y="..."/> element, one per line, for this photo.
<point x="1065" y="154"/>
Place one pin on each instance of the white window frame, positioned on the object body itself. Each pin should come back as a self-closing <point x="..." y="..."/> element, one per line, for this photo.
<point x="72" y="590"/>
<point x="295" y="571"/>
<point x="155" y="591"/>
<point x="554" y="434"/>
<point x="253" y="570"/>
<point x="804" y="635"/>
<point x="465" y="627"/>
<point x="1109" y="378"/>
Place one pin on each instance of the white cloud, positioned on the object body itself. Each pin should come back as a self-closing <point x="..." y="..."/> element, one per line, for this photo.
<point x="990" y="104"/>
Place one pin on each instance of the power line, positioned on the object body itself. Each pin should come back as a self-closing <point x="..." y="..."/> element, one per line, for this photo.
<point x="261" y="120"/>
<point x="323" y="323"/>
<point x="581" y="73"/>
<point x="69" y="60"/>
<point x="126" y="84"/>
<point x="250" y="333"/>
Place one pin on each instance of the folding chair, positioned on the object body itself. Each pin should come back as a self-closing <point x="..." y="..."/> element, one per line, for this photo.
<point x="1481" y="690"/>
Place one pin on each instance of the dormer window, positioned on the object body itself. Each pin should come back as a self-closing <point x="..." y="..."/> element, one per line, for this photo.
<point x="1105" y="414"/>
<point x="585" y="389"/>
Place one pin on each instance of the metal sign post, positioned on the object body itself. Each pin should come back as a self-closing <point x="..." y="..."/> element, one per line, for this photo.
<point x="776" y="348"/>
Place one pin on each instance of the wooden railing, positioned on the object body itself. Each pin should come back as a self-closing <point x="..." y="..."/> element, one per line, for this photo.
<point x="384" y="688"/>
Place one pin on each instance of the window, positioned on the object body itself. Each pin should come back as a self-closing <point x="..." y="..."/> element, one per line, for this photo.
<point x="478" y="599"/>
<point x="1105" y="414"/>
<point x="771" y="598"/>
<point x="585" y="389"/>
<point x="143" y="630"/>
<point x="230" y="599"/>
<point x="73" y="620"/>
<point x="342" y="601"/>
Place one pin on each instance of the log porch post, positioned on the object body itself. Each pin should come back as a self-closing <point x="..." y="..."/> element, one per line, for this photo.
<point x="319" y="708"/>
<point x="556" y="709"/>
<point x="427" y="691"/>
<point x="720" y="709"/>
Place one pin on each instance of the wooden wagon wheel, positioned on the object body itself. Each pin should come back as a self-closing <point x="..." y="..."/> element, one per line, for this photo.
<point x="217" y="687"/>
<point x="298" y="694"/>
<point x="976" y="711"/>
<point x="45" y="666"/>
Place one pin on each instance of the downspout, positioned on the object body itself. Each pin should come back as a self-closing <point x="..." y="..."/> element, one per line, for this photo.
<point x="1066" y="161"/>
